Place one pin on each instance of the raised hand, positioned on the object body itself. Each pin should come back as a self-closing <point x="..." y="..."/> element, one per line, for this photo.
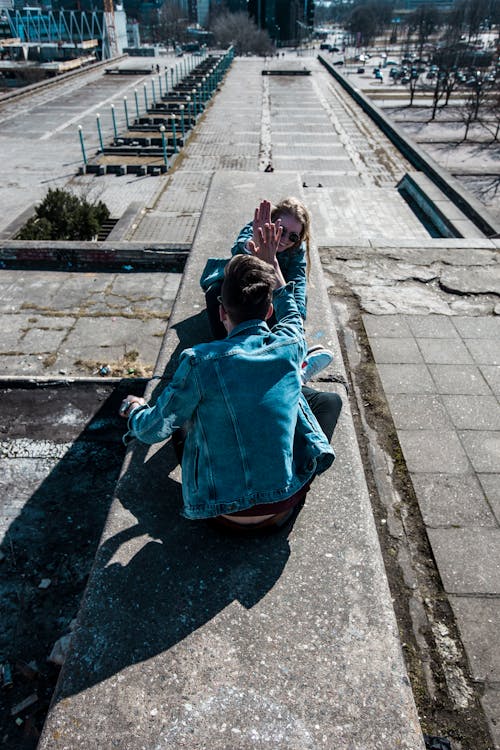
<point x="267" y="248"/>
<point x="262" y="216"/>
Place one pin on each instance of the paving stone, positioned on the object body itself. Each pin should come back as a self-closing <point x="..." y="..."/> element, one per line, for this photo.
<point x="483" y="449"/>
<point x="43" y="340"/>
<point x="491" y="487"/>
<point x="444" y="351"/>
<point x="468" y="559"/>
<point x="480" y="327"/>
<point x="389" y="326"/>
<point x="431" y="326"/>
<point x="433" y="452"/>
<point x="452" y="500"/>
<point x="418" y="412"/>
<point x="491" y="705"/>
<point x="491" y="374"/>
<point x="473" y="412"/>
<point x="390" y="350"/>
<point x="478" y="620"/>
<point x="485" y="351"/>
<point x="406" y="379"/>
<point x="459" y="380"/>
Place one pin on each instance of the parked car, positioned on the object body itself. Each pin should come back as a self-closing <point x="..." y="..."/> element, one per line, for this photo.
<point x="360" y="70"/>
<point x="379" y="75"/>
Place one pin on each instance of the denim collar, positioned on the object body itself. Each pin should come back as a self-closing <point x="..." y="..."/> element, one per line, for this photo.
<point x="256" y="325"/>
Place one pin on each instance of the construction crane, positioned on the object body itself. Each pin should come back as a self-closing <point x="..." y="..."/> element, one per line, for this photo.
<point x="109" y="18"/>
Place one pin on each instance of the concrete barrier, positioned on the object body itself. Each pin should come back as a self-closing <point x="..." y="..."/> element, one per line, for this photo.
<point x="191" y="638"/>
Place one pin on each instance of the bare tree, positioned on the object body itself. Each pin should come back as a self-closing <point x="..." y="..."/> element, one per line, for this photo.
<point x="172" y="23"/>
<point x="240" y="31"/>
<point x="424" y="21"/>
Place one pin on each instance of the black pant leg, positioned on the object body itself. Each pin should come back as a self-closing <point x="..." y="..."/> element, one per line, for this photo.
<point x="325" y="406"/>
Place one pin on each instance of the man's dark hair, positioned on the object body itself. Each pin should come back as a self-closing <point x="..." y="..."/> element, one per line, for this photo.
<point x="247" y="289"/>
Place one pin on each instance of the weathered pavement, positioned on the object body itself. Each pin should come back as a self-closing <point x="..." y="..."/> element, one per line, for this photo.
<point x="439" y="373"/>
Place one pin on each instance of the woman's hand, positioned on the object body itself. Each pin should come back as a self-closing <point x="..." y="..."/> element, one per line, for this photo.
<point x="128" y="405"/>
<point x="267" y="248"/>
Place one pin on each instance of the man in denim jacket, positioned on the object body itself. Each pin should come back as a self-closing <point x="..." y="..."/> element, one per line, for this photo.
<point x="252" y="443"/>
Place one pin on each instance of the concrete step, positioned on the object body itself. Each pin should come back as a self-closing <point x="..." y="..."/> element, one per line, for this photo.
<point x="189" y="638"/>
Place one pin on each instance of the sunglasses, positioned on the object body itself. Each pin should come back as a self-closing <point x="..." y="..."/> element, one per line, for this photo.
<point x="292" y="236"/>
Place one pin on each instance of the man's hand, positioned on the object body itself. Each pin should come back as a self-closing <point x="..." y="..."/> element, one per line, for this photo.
<point x="262" y="216"/>
<point x="128" y="405"/>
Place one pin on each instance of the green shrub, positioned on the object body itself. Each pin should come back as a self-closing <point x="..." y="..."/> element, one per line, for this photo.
<point x="64" y="216"/>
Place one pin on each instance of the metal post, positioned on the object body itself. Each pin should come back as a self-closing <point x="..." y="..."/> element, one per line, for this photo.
<point x="164" y="145"/>
<point x="159" y="84"/>
<point x="125" y="107"/>
<point x="146" y="96"/>
<point x="193" y="91"/>
<point x="113" y="116"/>
<point x="136" y="102"/>
<point x="153" y="89"/>
<point x="172" y="75"/>
<point x="174" y="134"/>
<point x="188" y="104"/>
<point x="166" y="80"/>
<point x="82" y="145"/>
<point x="182" y="121"/>
<point x="99" y="131"/>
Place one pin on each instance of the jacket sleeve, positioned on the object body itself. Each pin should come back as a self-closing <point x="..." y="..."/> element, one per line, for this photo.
<point x="175" y="406"/>
<point x="289" y="320"/>
<point x="296" y="271"/>
<point x="245" y="234"/>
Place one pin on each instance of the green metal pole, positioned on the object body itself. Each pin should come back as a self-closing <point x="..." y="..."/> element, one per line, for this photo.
<point x="153" y="89"/>
<point x="164" y="145"/>
<point x="125" y="107"/>
<point x="146" y="96"/>
<point x="174" y="134"/>
<point x="159" y="84"/>
<point x="113" y="117"/>
<point x="182" y="121"/>
<point x="82" y="144"/>
<point x="99" y="131"/>
<point x="136" y="102"/>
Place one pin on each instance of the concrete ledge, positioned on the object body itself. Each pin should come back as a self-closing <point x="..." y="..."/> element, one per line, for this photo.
<point x="78" y="255"/>
<point x="466" y="202"/>
<point x="439" y="210"/>
<point x="189" y="638"/>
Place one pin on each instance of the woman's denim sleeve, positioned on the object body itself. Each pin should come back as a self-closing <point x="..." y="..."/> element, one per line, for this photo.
<point x="174" y="407"/>
<point x="295" y="271"/>
<point x="246" y="234"/>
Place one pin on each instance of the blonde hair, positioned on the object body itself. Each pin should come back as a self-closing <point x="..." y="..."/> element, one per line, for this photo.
<point x="293" y="207"/>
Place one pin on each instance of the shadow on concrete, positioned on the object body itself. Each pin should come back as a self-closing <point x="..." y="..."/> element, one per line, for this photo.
<point x="58" y="476"/>
<point x="161" y="578"/>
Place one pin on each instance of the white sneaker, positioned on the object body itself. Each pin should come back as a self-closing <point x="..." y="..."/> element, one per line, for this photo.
<point x="317" y="358"/>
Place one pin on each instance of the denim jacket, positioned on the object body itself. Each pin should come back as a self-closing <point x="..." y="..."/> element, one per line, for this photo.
<point x="292" y="263"/>
<point x="251" y="436"/>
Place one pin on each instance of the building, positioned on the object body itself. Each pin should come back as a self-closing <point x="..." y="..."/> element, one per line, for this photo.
<point x="287" y="21"/>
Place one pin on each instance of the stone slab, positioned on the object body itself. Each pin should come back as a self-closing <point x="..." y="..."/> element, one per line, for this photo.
<point x="431" y="326"/>
<point x="478" y="619"/>
<point x="491" y="704"/>
<point x="485" y="351"/>
<point x="491" y="374"/>
<point x="491" y="486"/>
<point x="386" y="326"/>
<point x="433" y="451"/>
<point x="406" y="379"/>
<point x="479" y="327"/>
<point x="418" y="412"/>
<point x="444" y="351"/>
<point x="483" y="449"/>
<point x="450" y="500"/>
<point x="473" y="412"/>
<point x="459" y="380"/>
<point x="401" y="350"/>
<point x="468" y="559"/>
